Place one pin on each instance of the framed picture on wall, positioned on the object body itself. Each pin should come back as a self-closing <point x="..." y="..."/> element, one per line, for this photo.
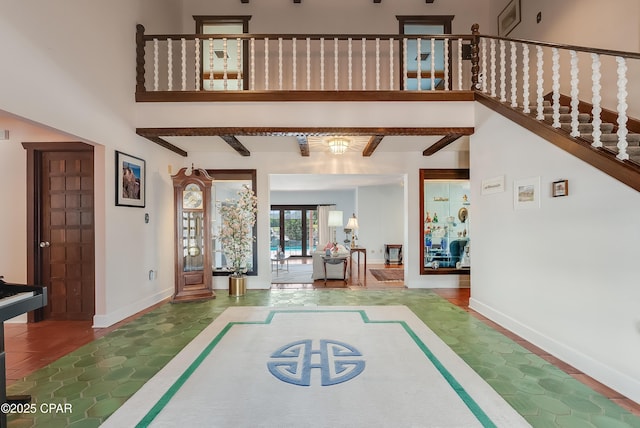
<point x="130" y="181"/>
<point x="560" y="188"/>
<point x="526" y="193"/>
<point x="509" y="18"/>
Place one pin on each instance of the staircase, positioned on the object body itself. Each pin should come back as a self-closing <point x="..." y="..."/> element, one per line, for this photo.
<point x="609" y="138"/>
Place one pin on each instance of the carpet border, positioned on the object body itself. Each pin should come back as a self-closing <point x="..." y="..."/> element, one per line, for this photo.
<point x="473" y="407"/>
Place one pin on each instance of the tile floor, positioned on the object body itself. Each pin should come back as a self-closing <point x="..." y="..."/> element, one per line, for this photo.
<point x="99" y="376"/>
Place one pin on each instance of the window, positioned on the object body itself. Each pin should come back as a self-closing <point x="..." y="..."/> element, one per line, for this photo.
<point x="424" y="25"/>
<point x="223" y="67"/>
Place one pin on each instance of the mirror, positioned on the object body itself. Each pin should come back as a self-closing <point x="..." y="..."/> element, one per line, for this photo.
<point x="444" y="213"/>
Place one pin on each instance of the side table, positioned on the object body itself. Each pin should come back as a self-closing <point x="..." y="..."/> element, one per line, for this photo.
<point x="360" y="251"/>
<point x="334" y="260"/>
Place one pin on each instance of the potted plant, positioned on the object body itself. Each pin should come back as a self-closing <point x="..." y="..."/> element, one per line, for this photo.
<point x="236" y="235"/>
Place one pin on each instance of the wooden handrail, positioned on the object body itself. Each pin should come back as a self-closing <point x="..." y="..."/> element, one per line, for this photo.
<point x="634" y="55"/>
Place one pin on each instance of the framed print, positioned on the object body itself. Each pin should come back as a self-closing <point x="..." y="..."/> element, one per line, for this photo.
<point x="526" y="193"/>
<point x="509" y="18"/>
<point x="130" y="181"/>
<point x="560" y="188"/>
<point x="493" y="185"/>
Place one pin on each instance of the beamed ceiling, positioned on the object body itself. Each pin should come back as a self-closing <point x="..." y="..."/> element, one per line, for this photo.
<point x="366" y="140"/>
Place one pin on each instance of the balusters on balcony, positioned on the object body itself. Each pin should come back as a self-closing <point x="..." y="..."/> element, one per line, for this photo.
<point x="596" y="98"/>
<point x="514" y="75"/>
<point x="555" y="67"/>
<point x="622" y="109"/>
<point x="525" y="79"/>
<point x="540" y="83"/>
<point x="575" y="101"/>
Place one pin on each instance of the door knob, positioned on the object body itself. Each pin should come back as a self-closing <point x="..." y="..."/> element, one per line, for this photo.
<point x="44" y="244"/>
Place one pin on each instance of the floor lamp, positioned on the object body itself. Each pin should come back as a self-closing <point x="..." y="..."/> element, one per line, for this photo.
<point x="335" y="220"/>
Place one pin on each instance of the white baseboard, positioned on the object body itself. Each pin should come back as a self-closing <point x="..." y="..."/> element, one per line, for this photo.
<point x="604" y="374"/>
<point x="107" y="320"/>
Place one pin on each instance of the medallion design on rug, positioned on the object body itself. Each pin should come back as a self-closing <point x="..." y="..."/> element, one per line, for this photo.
<point x="293" y="362"/>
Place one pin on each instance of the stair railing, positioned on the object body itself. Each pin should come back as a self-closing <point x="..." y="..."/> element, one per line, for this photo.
<point x="506" y="67"/>
<point x="300" y="62"/>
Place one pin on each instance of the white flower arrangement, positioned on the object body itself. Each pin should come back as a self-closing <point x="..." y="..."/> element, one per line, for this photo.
<point x="235" y="233"/>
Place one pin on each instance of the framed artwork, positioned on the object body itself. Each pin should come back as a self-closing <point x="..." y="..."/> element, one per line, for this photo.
<point x="493" y="185"/>
<point x="130" y="181"/>
<point x="509" y="18"/>
<point x="526" y="193"/>
<point x="560" y="188"/>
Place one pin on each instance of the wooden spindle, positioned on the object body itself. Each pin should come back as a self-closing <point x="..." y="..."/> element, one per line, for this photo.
<point x="280" y="63"/>
<point x="540" y="83"/>
<point x="322" y="64"/>
<point x="525" y="79"/>
<point x="433" y="64"/>
<point x="484" y="73"/>
<point x="364" y="64"/>
<point x="446" y="64"/>
<point x="378" y="64"/>
<point x="183" y="59"/>
<point x="391" y="67"/>
<point x="335" y="63"/>
<point x="140" y="53"/>
<point x="266" y="63"/>
<point x="622" y="109"/>
<point x="156" y="69"/>
<point x="169" y="65"/>
<point x="211" y="56"/>
<point x="350" y="63"/>
<point x="404" y="66"/>
<point x="459" y="59"/>
<point x="596" y="99"/>
<point x="555" y="68"/>
<point x="294" y="64"/>
<point x="308" y="63"/>
<point x="197" y="64"/>
<point x="225" y="64"/>
<point x="503" y="71"/>
<point x="575" y="101"/>
<point x="419" y="61"/>
<point x="252" y="61"/>
<point x="239" y="75"/>
<point x="514" y="75"/>
<point x="493" y="67"/>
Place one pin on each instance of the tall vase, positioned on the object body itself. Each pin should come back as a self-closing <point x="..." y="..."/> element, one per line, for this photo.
<point x="237" y="285"/>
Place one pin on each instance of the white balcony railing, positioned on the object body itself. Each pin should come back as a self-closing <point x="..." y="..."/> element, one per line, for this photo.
<point x="518" y="73"/>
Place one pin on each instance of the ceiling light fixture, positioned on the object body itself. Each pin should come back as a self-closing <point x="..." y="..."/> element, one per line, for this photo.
<point x="338" y="145"/>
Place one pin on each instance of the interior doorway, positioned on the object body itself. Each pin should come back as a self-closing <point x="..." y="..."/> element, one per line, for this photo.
<point x="60" y="228"/>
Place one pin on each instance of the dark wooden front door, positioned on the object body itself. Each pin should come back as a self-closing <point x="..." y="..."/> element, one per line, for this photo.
<point x="63" y="239"/>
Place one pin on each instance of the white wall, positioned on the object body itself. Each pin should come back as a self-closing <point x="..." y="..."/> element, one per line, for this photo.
<point x="337" y="16"/>
<point x="71" y="69"/>
<point x="382" y="219"/>
<point x="564" y="276"/>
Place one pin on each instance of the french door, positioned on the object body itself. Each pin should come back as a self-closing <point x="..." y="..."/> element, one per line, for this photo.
<point x="294" y="229"/>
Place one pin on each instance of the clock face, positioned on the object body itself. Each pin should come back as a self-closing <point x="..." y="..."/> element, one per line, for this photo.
<point x="192" y="198"/>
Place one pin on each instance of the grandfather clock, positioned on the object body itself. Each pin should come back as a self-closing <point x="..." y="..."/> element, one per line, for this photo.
<point x="192" y="200"/>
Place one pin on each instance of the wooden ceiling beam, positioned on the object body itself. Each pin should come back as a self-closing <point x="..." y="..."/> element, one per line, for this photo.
<point x="303" y="143"/>
<point x="236" y="144"/>
<point x="372" y="145"/>
<point x="441" y="144"/>
<point x="275" y="131"/>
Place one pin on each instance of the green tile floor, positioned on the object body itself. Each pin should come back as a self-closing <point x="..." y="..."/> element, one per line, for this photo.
<point x="97" y="378"/>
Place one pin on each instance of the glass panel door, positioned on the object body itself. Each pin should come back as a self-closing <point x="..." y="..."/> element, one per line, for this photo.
<point x="294" y="229"/>
<point x="293" y="232"/>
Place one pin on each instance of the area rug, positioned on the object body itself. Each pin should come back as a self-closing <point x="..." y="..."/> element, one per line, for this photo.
<point x="377" y="366"/>
<point x="388" y="275"/>
<point x="298" y="273"/>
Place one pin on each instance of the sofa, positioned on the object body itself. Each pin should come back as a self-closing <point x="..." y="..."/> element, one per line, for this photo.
<point x="334" y="271"/>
